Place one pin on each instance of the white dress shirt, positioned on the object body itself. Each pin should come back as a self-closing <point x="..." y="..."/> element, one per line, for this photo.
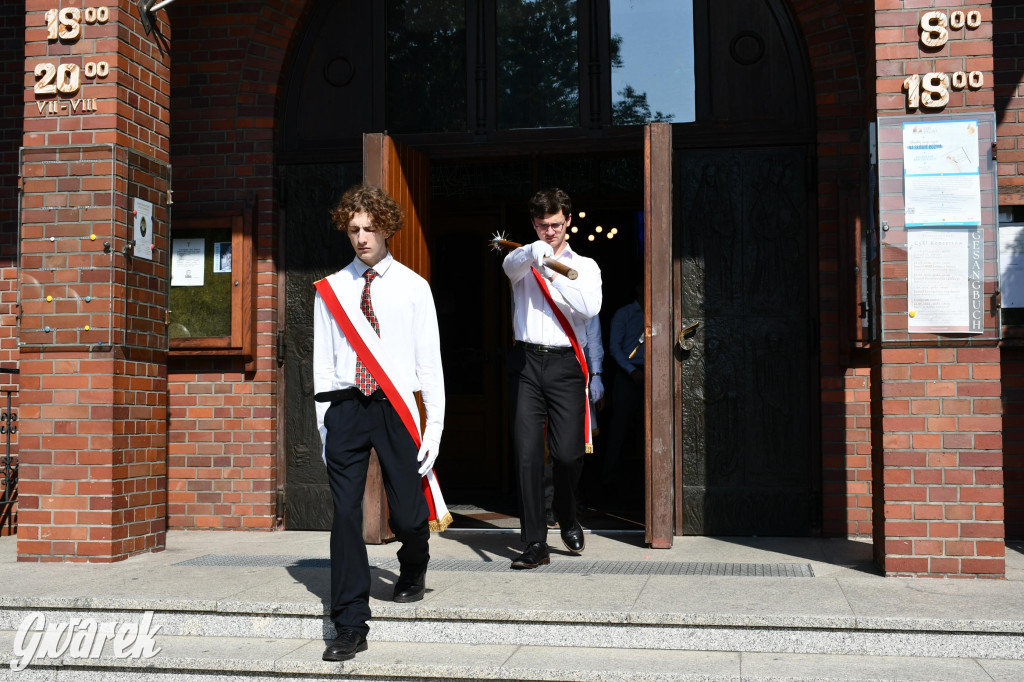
<point x="404" y="307"/>
<point x="627" y="326"/>
<point x="579" y="299"/>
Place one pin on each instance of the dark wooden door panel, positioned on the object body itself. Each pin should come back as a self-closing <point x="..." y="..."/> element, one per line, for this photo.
<point x="313" y="250"/>
<point x="747" y="385"/>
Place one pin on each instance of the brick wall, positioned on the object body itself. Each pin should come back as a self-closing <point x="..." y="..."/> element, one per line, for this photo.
<point x="93" y="358"/>
<point x="226" y="68"/>
<point x="942" y="476"/>
<point x="1008" y="57"/>
<point x="938" y="437"/>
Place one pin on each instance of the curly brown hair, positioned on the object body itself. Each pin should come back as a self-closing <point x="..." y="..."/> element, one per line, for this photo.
<point x="384" y="211"/>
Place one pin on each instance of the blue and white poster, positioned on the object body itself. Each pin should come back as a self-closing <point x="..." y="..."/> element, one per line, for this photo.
<point x="941" y="174"/>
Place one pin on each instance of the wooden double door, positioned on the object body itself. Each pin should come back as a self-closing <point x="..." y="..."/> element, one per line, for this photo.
<point x="730" y="409"/>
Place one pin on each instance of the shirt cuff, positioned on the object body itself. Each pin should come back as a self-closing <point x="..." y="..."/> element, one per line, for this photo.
<point x="432" y="432"/>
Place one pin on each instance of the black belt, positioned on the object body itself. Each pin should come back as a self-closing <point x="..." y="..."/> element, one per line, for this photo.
<point x="352" y="393"/>
<point x="541" y="348"/>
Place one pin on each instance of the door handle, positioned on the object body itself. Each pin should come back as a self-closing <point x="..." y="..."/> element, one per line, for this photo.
<point x="686" y="338"/>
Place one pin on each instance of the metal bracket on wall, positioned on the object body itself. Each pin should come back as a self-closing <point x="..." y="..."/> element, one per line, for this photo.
<point x="147" y="8"/>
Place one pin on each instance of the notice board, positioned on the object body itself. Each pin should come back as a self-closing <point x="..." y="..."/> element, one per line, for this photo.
<point x="938" y="217"/>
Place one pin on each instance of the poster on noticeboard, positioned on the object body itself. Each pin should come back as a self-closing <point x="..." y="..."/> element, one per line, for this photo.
<point x="941" y="173"/>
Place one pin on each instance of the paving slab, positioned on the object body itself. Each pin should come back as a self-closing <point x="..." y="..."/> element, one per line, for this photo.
<point x="1004" y="671"/>
<point x="744" y="601"/>
<point x="867" y="668"/>
<point x="924" y="603"/>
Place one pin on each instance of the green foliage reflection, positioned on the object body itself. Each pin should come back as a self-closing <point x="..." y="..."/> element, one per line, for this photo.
<point x="537" y="63"/>
<point x="426" y="78"/>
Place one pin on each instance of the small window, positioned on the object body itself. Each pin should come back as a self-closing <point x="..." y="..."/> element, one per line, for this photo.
<point x="211" y="302"/>
<point x="538" y="64"/>
<point x="426" y="46"/>
<point x="652" y="61"/>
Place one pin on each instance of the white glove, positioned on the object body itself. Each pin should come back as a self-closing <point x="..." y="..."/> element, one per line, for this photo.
<point x="427" y="455"/>
<point x="541" y="250"/>
<point x="596" y="388"/>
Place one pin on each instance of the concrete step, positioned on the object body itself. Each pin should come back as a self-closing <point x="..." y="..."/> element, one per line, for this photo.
<point x="707" y="609"/>
<point x="427" y="623"/>
<point x="209" y="659"/>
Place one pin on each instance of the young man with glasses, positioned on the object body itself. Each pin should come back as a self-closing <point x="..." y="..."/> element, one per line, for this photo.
<point x="548" y="375"/>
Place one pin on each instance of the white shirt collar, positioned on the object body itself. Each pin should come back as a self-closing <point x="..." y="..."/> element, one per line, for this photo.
<point x="566" y="252"/>
<point x="381" y="267"/>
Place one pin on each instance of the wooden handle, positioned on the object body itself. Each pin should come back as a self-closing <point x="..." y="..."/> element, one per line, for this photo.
<point x="560" y="268"/>
<point x="555" y="265"/>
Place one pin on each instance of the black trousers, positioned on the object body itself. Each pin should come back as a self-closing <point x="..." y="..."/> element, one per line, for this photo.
<point x="353" y="427"/>
<point x="546" y="388"/>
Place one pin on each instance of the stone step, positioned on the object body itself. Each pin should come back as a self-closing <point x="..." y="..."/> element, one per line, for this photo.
<point x="423" y="623"/>
<point x="209" y="659"/>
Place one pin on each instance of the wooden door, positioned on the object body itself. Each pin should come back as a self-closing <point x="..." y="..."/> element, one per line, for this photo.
<point x="658" y="360"/>
<point x="313" y="249"/>
<point x="404" y="174"/>
<point x="747" y="410"/>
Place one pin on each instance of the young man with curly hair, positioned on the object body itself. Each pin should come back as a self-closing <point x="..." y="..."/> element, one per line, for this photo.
<point x="380" y="311"/>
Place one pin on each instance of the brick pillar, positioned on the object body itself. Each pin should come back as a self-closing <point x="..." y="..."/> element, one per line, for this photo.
<point x="939" y="478"/>
<point x="92" y="338"/>
<point x="937" y="414"/>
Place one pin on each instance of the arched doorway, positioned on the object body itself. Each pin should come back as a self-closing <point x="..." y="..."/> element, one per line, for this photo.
<point x="349" y="76"/>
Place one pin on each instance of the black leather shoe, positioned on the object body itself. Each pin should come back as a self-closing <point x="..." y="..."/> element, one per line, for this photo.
<point x="536" y="554"/>
<point x="572" y="538"/>
<point x="347" y="644"/>
<point x="410" y="586"/>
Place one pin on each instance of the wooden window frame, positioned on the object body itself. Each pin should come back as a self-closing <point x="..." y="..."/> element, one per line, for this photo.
<point x="241" y="342"/>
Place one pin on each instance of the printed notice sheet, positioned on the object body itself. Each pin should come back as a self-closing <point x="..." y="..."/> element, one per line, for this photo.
<point x="187" y="259"/>
<point x="221" y="257"/>
<point x="143" y="232"/>
<point x="941" y="175"/>
<point x="945" y="281"/>
<point x="1011" y="265"/>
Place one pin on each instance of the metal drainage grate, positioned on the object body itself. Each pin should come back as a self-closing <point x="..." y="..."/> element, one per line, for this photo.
<point x="570" y="566"/>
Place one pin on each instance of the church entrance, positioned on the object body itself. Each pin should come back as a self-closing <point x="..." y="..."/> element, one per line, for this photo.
<point x="727" y="441"/>
<point x="470" y="202"/>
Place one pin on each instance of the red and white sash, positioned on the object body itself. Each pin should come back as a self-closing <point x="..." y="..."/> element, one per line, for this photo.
<point x="578" y="349"/>
<point x="368" y="348"/>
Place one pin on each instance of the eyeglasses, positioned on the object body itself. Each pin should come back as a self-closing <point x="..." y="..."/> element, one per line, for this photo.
<point x="545" y="226"/>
